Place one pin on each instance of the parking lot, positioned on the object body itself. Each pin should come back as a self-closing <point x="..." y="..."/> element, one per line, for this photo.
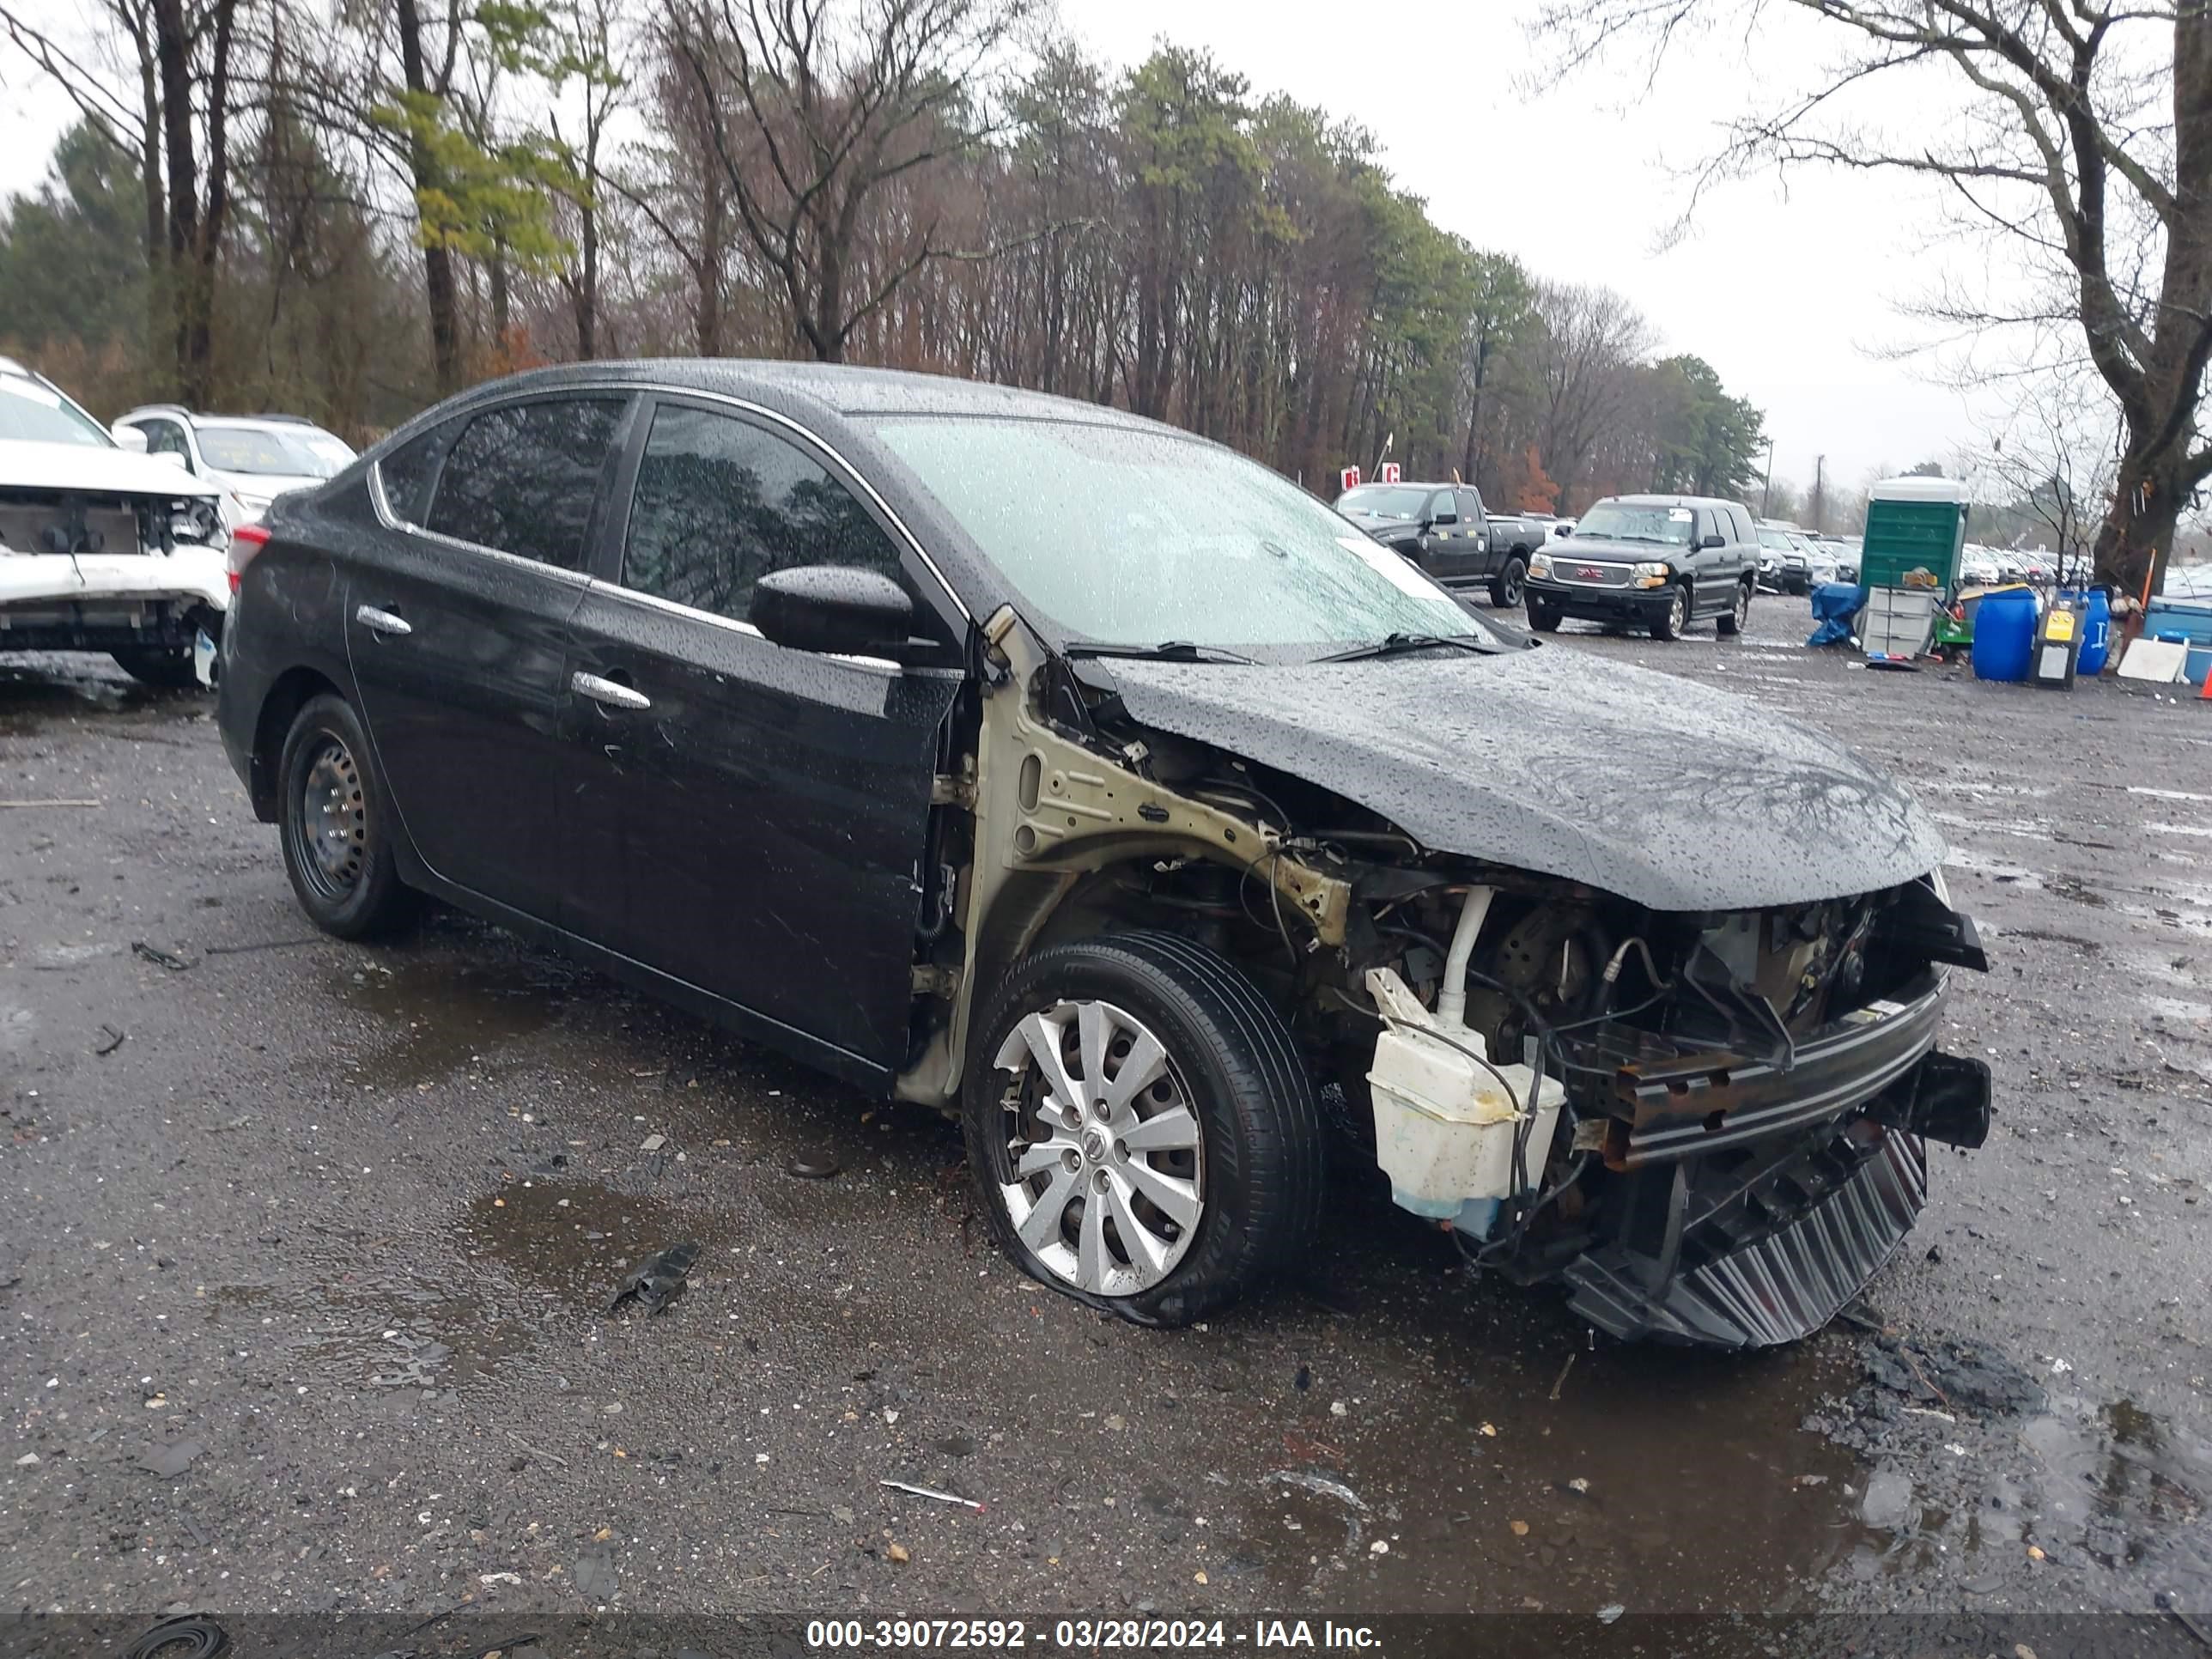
<point x="326" y="1235"/>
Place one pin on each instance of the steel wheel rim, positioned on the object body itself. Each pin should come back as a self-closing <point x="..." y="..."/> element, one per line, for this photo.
<point x="1105" y="1153"/>
<point x="1513" y="584"/>
<point x="1743" y="607"/>
<point x="331" y="813"/>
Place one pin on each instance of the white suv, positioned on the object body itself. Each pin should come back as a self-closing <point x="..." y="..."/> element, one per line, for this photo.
<point x="257" y="458"/>
<point x="101" y="550"/>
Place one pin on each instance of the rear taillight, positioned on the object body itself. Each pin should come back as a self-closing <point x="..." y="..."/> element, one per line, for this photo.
<point x="246" y="541"/>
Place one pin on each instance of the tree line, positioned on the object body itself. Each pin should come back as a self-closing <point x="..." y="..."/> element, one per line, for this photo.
<point x="349" y="213"/>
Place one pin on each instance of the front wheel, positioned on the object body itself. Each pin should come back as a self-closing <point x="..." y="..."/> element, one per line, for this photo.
<point x="1671" y="623"/>
<point x="1142" y="1130"/>
<point x="1738" y="614"/>
<point x="1544" y="615"/>
<point x="332" y="822"/>
<point x="1505" y="585"/>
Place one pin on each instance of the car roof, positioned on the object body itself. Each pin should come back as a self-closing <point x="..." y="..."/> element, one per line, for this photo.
<point x="1404" y="483"/>
<point x="834" y="389"/>
<point x="198" y="418"/>
<point x="1672" y="500"/>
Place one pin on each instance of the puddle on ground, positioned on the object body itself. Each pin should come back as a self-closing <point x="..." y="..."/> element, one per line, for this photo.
<point x="1981" y="864"/>
<point x="2176" y="1010"/>
<point x="2165" y="794"/>
<point x="1590" y="1476"/>
<point x="2151" y="965"/>
<point x="573" y="1240"/>
<point x="446" y="1014"/>
<point x="376" y="1329"/>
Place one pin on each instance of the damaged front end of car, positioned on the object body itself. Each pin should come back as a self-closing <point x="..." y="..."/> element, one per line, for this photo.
<point x="1745" y="1096"/>
<point x="1707" y="1123"/>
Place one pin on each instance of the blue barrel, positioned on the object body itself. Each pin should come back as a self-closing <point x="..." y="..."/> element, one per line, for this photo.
<point x="2004" y="633"/>
<point x="2096" y="630"/>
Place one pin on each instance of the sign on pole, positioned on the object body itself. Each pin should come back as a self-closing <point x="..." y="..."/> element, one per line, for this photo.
<point x="1350" y="478"/>
<point x="1389" y="472"/>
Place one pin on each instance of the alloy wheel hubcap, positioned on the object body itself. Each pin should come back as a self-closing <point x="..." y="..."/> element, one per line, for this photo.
<point x="334" y="816"/>
<point x="1678" y="612"/>
<point x="1107" y="1159"/>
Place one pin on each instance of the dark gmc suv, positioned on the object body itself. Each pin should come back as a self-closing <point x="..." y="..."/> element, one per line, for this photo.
<point x="1662" y="562"/>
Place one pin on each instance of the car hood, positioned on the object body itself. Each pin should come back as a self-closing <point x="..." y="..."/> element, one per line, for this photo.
<point x="1602" y="547"/>
<point x="1664" y="791"/>
<point x="27" y="463"/>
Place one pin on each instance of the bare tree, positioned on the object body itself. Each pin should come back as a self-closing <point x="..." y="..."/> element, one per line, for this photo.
<point x="2085" y="144"/>
<point x="834" y="101"/>
<point x="1591" y="343"/>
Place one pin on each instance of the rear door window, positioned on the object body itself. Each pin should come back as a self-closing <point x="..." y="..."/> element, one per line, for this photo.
<point x="522" y="478"/>
<point x="406" y="472"/>
<point x="720" y="503"/>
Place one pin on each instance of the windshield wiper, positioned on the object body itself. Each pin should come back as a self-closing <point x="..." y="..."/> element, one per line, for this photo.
<point x="1394" y="645"/>
<point x="1165" y="651"/>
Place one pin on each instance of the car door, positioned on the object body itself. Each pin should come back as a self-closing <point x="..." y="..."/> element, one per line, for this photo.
<point x="1709" y="563"/>
<point x="457" y="632"/>
<point x="1482" y="556"/>
<point x="1441" y="554"/>
<point x="746" y="819"/>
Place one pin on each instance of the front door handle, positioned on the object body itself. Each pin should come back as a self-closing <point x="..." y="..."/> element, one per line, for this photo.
<point x="609" y="694"/>
<point x="382" y="622"/>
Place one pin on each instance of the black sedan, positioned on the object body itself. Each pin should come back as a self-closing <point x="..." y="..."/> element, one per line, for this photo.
<point x="1093" y="784"/>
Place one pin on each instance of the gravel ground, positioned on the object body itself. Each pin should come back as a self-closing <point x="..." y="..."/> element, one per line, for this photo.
<point x="308" y="1248"/>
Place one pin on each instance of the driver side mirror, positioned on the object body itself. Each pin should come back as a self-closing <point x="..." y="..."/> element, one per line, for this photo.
<point x="1714" y="541"/>
<point x="132" y="438"/>
<point x="834" y="609"/>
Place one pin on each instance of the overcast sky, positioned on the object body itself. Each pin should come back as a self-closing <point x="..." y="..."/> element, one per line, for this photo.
<point x="1790" y="294"/>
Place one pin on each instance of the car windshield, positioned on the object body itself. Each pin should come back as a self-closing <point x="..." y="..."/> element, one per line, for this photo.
<point x="1134" y="535"/>
<point x="1776" y="539"/>
<point x="257" y="450"/>
<point x="41" y="415"/>
<point x="1385" y="501"/>
<point x="1619" y="522"/>
<point x="304" y="453"/>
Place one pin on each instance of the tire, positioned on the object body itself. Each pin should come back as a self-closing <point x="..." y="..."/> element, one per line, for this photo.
<point x="1676" y="620"/>
<point x="1506" y="586"/>
<point x="1544" y="615"/>
<point x="334" y="827"/>
<point x="1247" y="1192"/>
<point x="167" y="668"/>
<point x="1734" y="620"/>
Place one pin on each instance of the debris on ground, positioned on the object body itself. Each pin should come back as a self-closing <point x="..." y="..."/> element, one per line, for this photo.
<point x="652" y="1143"/>
<point x="816" y="1165"/>
<point x="115" y="1040"/>
<point x="171" y="1459"/>
<point x="1605" y="1616"/>
<point x="1951" y="1374"/>
<point x="190" y="1637"/>
<point x="659" y="1282"/>
<point x="898" y="1553"/>
<point x="160" y="958"/>
<point x="928" y="1491"/>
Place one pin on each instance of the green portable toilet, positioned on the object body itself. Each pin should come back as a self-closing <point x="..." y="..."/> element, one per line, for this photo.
<point x="1913" y="524"/>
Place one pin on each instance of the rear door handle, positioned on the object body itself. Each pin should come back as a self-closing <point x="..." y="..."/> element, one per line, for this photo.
<point x="610" y="693"/>
<point x="382" y="622"/>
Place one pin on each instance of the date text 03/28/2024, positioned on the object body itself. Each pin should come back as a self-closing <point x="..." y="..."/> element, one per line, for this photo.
<point x="1083" y="1635"/>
